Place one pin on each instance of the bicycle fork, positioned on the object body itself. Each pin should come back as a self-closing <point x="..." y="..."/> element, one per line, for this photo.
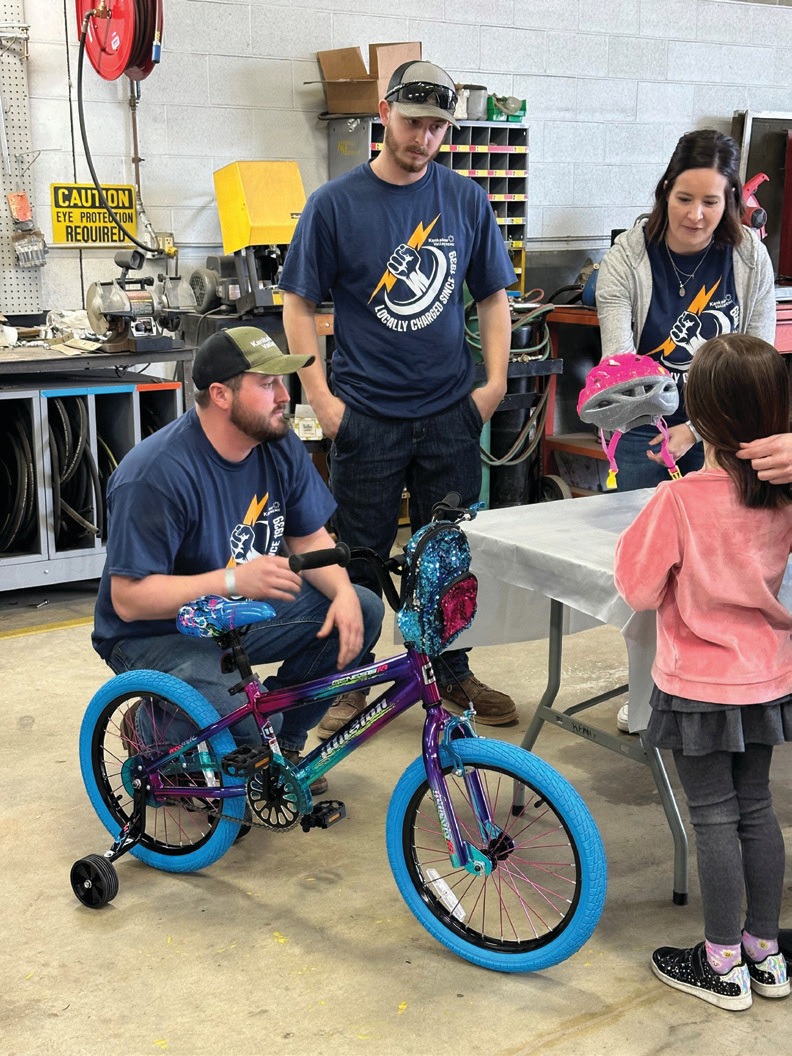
<point x="462" y="854"/>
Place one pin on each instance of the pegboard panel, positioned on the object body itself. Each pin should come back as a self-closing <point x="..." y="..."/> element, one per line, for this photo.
<point x="20" y="288"/>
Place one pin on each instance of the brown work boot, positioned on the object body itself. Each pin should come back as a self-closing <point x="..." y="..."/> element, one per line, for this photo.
<point x="319" y="787"/>
<point x="492" y="707"/>
<point x="345" y="707"/>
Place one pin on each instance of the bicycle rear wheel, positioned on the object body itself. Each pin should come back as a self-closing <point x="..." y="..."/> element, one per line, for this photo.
<point x="546" y="890"/>
<point x="143" y="713"/>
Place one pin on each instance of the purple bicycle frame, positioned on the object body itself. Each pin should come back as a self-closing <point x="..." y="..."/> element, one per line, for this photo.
<point x="413" y="681"/>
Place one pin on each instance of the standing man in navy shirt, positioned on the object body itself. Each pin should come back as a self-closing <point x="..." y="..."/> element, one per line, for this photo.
<point x="394" y="241"/>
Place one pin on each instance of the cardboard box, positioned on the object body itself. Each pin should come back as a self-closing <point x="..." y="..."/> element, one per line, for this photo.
<point x="349" y="87"/>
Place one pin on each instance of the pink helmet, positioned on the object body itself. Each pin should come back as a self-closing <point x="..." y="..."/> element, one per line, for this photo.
<point x="623" y="392"/>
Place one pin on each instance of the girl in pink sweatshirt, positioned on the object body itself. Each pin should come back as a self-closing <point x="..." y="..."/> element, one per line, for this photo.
<point x="709" y="552"/>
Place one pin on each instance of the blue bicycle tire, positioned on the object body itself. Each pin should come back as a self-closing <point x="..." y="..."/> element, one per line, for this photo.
<point x="105" y="748"/>
<point x="448" y="902"/>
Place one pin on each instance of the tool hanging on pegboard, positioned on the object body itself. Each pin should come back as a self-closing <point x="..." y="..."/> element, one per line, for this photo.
<point x="27" y="241"/>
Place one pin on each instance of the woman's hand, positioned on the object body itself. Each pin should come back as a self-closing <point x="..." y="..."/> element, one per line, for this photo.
<point x="771" y="457"/>
<point x="680" y="441"/>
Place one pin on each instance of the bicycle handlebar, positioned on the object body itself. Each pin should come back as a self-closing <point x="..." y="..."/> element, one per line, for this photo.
<point x="336" y="555"/>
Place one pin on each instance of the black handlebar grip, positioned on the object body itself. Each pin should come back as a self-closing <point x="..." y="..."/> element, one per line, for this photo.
<point x="338" y="555"/>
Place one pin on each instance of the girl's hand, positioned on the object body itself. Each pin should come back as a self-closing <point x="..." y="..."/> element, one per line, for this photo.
<point x="680" y="441"/>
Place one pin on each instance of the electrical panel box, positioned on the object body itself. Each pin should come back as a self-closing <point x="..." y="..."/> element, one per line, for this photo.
<point x="493" y="153"/>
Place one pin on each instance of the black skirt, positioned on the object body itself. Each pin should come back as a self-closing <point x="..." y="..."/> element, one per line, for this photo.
<point x="696" y="727"/>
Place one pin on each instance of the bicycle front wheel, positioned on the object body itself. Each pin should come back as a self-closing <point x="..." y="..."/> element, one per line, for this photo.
<point x="143" y="714"/>
<point x="546" y="889"/>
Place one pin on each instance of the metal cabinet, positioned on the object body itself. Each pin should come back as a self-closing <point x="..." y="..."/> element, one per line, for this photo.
<point x="60" y="442"/>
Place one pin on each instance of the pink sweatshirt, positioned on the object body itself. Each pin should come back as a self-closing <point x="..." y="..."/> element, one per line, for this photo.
<point x="712" y="568"/>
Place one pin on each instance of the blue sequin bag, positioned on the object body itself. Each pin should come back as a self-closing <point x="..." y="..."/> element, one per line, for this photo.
<point x="439" y="590"/>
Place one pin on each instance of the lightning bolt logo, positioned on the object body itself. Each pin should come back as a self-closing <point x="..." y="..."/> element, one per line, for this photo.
<point x="697" y="306"/>
<point x="252" y="515"/>
<point x="415" y="241"/>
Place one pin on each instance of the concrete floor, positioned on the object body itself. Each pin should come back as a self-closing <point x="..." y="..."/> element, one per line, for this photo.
<point x="300" y="945"/>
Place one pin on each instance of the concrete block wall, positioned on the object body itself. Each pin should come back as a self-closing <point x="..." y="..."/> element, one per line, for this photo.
<point x="610" y="88"/>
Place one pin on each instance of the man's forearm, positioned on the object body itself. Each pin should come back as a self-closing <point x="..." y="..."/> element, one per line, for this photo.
<point x="495" y="333"/>
<point x="159" y="597"/>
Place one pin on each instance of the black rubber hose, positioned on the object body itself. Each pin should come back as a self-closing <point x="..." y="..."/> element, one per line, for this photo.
<point x="89" y="160"/>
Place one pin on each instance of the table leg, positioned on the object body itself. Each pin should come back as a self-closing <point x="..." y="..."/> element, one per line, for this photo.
<point x="655" y="763"/>
<point x="635" y="749"/>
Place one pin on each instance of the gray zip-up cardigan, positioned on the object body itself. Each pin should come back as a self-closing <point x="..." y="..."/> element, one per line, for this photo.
<point x="624" y="290"/>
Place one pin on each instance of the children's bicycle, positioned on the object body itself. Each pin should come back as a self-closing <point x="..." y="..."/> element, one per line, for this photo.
<point x="494" y="852"/>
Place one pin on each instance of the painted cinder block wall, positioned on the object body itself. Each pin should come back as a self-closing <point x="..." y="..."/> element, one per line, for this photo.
<point x="610" y="88"/>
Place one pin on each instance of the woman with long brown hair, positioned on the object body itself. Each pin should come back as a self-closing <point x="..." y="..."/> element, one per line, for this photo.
<point x="688" y="273"/>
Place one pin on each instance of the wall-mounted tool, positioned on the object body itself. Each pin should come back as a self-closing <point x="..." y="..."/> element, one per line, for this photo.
<point x="259" y="203"/>
<point x="753" y="215"/>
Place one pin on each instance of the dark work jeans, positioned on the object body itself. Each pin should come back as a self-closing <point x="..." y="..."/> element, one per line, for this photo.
<point x="372" y="460"/>
<point x="288" y="639"/>
<point x="636" y="470"/>
<point x="739" y="845"/>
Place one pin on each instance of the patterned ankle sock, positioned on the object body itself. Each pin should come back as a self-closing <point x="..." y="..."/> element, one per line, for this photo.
<point x="758" y="949"/>
<point x="722" y="958"/>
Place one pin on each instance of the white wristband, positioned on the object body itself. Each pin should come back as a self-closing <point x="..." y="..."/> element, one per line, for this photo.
<point x="230" y="583"/>
<point x="694" y="431"/>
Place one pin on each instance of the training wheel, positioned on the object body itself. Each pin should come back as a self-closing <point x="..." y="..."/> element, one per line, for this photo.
<point x="94" y="881"/>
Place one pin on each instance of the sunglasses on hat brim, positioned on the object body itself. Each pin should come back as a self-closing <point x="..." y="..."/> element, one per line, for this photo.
<point x="424" y="92"/>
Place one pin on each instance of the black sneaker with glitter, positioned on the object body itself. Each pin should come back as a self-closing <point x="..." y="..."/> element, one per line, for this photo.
<point x="768" y="976"/>
<point x="690" y="971"/>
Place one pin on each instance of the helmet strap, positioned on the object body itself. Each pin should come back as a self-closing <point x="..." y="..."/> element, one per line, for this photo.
<point x="668" y="458"/>
<point x="609" y="447"/>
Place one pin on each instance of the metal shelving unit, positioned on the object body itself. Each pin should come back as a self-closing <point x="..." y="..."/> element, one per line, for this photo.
<point x="118" y="415"/>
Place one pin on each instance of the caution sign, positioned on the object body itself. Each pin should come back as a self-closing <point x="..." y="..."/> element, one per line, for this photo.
<point x="79" y="219"/>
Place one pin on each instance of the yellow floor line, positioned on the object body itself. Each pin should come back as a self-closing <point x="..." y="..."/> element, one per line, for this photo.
<point x="61" y="625"/>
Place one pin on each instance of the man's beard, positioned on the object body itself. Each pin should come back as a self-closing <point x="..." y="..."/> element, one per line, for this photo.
<point x="262" y="430"/>
<point x="410" y="165"/>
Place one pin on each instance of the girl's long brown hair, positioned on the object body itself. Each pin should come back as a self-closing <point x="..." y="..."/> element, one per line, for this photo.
<point x="737" y="391"/>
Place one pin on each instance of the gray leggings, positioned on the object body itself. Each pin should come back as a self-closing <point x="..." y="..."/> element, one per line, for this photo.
<point x="731" y="810"/>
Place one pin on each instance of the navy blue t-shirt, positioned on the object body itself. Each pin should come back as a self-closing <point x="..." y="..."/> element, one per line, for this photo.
<point x="177" y="507"/>
<point x="677" y="325"/>
<point x="395" y="259"/>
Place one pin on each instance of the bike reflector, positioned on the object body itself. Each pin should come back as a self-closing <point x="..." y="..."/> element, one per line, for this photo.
<point x="439" y="599"/>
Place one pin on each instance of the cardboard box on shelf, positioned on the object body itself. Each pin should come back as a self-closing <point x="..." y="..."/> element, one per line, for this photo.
<point x="352" y="89"/>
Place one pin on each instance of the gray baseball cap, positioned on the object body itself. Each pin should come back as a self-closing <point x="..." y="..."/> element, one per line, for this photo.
<point x="421" y="89"/>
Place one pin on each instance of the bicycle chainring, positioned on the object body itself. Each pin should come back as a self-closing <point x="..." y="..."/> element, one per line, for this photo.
<point x="279" y="812"/>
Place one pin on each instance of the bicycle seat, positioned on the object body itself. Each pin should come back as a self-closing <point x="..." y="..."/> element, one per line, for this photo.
<point x="210" y="615"/>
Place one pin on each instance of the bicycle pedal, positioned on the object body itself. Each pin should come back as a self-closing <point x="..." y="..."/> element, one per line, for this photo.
<point x="323" y="815"/>
<point x="246" y="761"/>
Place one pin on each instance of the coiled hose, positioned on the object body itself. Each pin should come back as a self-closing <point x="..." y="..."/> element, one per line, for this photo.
<point x="530" y="436"/>
<point x="17" y="480"/>
<point x="77" y="507"/>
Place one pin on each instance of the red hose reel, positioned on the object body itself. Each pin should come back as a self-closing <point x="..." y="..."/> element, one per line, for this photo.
<point x="122" y="36"/>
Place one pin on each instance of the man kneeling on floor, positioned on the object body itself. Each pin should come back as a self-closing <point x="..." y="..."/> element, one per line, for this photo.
<point x="206" y="505"/>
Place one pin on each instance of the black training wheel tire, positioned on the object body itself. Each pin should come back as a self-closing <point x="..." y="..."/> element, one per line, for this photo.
<point x="94" y="881"/>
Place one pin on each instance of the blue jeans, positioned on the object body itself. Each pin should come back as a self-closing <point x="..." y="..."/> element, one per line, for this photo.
<point x="637" y="470"/>
<point x="288" y="638"/>
<point x="372" y="460"/>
